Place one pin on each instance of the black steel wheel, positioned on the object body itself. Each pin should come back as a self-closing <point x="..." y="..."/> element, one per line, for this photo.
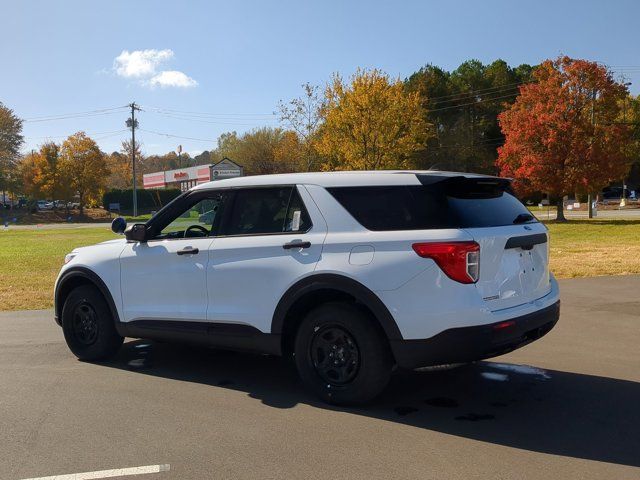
<point x="85" y="324"/>
<point x="342" y="354"/>
<point x="334" y="354"/>
<point x="88" y="325"/>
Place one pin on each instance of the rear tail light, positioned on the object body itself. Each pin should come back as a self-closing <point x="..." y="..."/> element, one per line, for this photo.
<point x="459" y="260"/>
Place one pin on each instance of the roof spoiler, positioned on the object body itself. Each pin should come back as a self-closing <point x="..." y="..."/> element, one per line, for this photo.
<point x="460" y="186"/>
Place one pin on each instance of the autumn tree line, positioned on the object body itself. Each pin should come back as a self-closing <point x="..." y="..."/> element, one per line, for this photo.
<point x="563" y="127"/>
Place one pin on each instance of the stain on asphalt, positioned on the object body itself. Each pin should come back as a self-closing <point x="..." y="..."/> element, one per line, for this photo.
<point x="522" y="369"/>
<point x="497" y="377"/>
<point x="402" y="411"/>
<point x="475" y="417"/>
<point x="138" y="364"/>
<point x="443" y="402"/>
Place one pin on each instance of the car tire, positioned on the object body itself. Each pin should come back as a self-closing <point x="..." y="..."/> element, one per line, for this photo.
<point x="88" y="325"/>
<point x="342" y="355"/>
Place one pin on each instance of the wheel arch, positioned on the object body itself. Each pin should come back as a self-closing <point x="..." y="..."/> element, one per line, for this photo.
<point x="75" y="277"/>
<point x="316" y="289"/>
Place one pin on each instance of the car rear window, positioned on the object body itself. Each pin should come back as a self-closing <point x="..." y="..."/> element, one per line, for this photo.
<point x="455" y="202"/>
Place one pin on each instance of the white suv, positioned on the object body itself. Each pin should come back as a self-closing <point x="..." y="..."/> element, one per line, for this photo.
<point x="350" y="273"/>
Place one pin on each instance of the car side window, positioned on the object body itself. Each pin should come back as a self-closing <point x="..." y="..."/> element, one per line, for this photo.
<point x="298" y="219"/>
<point x="199" y="218"/>
<point x="260" y="211"/>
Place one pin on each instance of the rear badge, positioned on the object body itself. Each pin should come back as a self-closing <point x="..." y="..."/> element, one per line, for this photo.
<point x="527" y="227"/>
<point x="493" y="297"/>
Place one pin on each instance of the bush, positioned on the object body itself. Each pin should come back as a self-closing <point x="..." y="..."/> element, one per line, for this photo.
<point x="147" y="199"/>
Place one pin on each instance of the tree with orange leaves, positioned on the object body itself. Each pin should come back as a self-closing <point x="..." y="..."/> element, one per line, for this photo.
<point x="86" y="168"/>
<point x="562" y="133"/>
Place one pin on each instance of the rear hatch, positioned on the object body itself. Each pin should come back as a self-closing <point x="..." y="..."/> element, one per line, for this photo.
<point x="513" y="245"/>
<point x="514" y="267"/>
<point x="514" y="253"/>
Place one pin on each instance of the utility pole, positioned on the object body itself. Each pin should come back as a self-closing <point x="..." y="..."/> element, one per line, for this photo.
<point x="623" y="200"/>
<point x="133" y="123"/>
<point x="593" y="122"/>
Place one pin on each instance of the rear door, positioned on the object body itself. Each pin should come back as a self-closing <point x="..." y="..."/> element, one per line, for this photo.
<point x="271" y="237"/>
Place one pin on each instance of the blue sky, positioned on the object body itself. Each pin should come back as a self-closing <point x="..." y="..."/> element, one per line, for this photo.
<point x="234" y="60"/>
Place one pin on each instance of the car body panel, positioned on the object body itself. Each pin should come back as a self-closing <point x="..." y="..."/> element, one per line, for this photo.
<point x="157" y="283"/>
<point x="103" y="259"/>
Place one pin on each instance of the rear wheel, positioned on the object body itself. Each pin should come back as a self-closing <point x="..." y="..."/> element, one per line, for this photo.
<point x="342" y="355"/>
<point x="88" y="325"/>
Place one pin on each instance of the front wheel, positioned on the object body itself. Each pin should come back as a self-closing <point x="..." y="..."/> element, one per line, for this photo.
<point x="88" y="325"/>
<point x="342" y="355"/>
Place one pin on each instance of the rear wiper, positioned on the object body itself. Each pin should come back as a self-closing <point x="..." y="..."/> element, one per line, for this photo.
<point x="523" y="218"/>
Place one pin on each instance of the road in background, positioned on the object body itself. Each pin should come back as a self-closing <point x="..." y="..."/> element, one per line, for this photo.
<point x="564" y="407"/>
<point x="55" y="226"/>
<point x="627" y="214"/>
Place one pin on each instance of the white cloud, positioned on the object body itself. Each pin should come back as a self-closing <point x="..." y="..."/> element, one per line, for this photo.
<point x="140" y="63"/>
<point x="144" y="66"/>
<point x="172" y="78"/>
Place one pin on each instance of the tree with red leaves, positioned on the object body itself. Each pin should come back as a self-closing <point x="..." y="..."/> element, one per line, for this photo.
<point x="562" y="133"/>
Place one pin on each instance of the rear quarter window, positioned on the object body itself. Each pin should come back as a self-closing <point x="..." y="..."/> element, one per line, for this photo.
<point x="443" y="204"/>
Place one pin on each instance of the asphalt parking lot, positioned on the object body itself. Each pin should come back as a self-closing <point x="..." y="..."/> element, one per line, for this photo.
<point x="565" y="407"/>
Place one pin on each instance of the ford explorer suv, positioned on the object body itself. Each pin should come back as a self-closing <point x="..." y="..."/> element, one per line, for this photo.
<point x="350" y="274"/>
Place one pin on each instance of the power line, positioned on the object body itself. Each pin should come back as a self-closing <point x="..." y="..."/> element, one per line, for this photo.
<point x="64" y="116"/>
<point x="481" y="91"/>
<point x="65" y="136"/>
<point x="213" y="122"/>
<point x="208" y="114"/>
<point x="512" y="86"/>
<point x="118" y="132"/>
<point x="472" y="103"/>
<point x="176" y="136"/>
<point x="487" y="142"/>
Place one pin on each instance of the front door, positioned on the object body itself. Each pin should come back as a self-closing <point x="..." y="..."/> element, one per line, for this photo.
<point x="165" y="277"/>
<point x="271" y="237"/>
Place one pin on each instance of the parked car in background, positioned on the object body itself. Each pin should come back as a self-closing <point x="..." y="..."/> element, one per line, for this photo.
<point x="44" y="205"/>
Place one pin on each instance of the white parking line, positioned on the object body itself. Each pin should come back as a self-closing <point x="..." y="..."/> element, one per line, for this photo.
<point x="118" y="472"/>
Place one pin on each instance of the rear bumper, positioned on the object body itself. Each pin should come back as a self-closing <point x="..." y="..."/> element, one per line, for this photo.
<point x="467" y="344"/>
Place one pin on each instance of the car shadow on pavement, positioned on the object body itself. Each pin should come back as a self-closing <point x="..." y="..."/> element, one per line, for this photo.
<point x="547" y="411"/>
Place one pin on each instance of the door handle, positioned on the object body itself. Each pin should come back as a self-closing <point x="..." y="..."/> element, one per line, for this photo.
<point x="188" y="251"/>
<point x="296" y="244"/>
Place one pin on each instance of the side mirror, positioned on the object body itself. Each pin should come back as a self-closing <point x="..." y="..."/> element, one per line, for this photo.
<point x="118" y="225"/>
<point x="136" y="233"/>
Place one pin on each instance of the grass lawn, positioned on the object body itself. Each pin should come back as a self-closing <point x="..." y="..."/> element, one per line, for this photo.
<point x="31" y="259"/>
<point x="585" y="248"/>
